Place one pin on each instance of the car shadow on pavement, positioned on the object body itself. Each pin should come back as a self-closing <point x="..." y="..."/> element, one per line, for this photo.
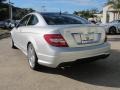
<point x="104" y="72"/>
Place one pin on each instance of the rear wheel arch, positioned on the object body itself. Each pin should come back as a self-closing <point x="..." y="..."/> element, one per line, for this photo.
<point x="112" y="29"/>
<point x="34" y="63"/>
<point x="32" y="45"/>
<point x="30" y="40"/>
<point x="28" y="44"/>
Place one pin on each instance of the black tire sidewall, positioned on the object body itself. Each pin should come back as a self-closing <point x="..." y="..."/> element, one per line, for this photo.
<point x="12" y="44"/>
<point x="112" y="30"/>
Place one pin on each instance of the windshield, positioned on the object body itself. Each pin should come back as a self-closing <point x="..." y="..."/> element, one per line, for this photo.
<point x="62" y="19"/>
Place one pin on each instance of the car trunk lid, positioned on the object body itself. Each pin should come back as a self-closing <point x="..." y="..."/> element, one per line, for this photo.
<point x="83" y="35"/>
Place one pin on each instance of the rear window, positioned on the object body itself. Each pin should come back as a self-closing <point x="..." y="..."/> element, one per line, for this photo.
<point x="61" y="19"/>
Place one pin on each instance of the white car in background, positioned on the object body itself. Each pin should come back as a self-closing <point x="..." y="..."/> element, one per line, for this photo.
<point x="51" y="39"/>
<point x="113" y="27"/>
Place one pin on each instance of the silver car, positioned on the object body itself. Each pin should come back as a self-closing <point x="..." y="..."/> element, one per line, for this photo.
<point x="51" y="39"/>
<point x="113" y="27"/>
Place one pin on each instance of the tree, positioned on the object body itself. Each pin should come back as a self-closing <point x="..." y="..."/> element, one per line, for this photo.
<point x="94" y="10"/>
<point x="18" y="13"/>
<point x="115" y="4"/>
<point x="86" y="13"/>
<point x="1" y="1"/>
<point x="4" y="11"/>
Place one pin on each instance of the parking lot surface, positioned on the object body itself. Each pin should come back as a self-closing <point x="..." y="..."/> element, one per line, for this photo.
<point x="15" y="73"/>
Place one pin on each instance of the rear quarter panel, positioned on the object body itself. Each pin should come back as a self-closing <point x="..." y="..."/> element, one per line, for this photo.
<point x="35" y="35"/>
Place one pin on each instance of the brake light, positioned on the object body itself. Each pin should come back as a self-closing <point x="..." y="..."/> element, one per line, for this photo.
<point x="55" y="40"/>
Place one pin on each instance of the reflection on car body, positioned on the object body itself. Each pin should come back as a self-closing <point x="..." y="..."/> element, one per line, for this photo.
<point x="51" y="39"/>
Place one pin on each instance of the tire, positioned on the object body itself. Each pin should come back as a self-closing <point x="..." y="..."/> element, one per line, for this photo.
<point x="12" y="45"/>
<point x="32" y="57"/>
<point x="113" y="30"/>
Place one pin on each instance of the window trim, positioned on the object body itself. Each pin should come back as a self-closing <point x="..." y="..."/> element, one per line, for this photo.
<point x="23" y="19"/>
<point x="30" y="19"/>
<point x="68" y="15"/>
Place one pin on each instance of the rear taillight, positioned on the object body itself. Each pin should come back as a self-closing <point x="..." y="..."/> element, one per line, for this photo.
<point x="55" y="40"/>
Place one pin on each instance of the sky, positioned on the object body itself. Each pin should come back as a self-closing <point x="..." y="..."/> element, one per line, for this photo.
<point x="60" y="5"/>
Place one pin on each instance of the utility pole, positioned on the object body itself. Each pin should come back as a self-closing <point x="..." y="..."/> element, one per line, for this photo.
<point x="10" y="10"/>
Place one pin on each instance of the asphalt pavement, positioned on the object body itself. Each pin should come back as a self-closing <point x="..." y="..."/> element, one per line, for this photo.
<point x="15" y="73"/>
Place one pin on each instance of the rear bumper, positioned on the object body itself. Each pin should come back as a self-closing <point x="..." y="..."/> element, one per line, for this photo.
<point x="86" y="59"/>
<point x="73" y="54"/>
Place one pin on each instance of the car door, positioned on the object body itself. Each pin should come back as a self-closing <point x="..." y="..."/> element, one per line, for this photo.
<point x="26" y="33"/>
<point x="17" y="31"/>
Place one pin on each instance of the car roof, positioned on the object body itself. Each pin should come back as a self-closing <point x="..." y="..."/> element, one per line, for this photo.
<point x="52" y="13"/>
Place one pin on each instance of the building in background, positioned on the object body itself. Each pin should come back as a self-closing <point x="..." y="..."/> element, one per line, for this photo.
<point x="108" y="14"/>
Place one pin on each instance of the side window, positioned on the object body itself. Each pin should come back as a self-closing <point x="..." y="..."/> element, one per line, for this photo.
<point x="33" y="20"/>
<point x="24" y="21"/>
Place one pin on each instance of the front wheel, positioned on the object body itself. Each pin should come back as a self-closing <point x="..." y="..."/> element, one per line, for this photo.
<point x="32" y="57"/>
<point x="13" y="45"/>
